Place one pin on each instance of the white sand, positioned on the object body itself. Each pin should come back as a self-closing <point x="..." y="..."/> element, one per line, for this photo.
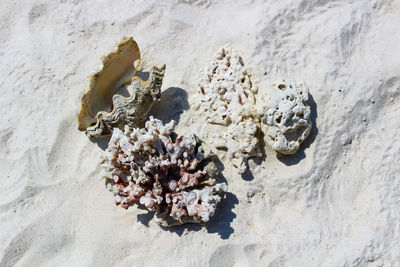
<point x="335" y="203"/>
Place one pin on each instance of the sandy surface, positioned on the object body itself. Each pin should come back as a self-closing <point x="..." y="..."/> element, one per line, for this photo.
<point x="334" y="203"/>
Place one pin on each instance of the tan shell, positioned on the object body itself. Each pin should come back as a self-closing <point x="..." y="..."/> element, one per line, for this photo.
<point x="102" y="109"/>
<point x="117" y="68"/>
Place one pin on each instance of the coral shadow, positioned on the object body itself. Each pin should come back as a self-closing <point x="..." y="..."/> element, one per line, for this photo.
<point x="220" y="223"/>
<point x="174" y="101"/>
<point x="248" y="174"/>
<point x="289" y="160"/>
<point x="145" y="218"/>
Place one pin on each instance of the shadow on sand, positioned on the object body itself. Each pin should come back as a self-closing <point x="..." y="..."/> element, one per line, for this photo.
<point x="248" y="174"/>
<point x="221" y="222"/>
<point x="174" y="101"/>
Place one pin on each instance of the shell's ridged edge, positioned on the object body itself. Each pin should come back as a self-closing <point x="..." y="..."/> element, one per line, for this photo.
<point x="84" y="112"/>
<point x="133" y="110"/>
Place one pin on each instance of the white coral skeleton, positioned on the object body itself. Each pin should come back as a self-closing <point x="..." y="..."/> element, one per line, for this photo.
<point x="226" y="98"/>
<point x="285" y="115"/>
<point x="172" y="177"/>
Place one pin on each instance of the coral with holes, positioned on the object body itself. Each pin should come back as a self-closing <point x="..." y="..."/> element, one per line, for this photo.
<point x="285" y="116"/>
<point x="171" y="176"/>
<point x="226" y="100"/>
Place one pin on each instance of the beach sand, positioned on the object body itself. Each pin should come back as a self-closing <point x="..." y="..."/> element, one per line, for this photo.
<point x="336" y="202"/>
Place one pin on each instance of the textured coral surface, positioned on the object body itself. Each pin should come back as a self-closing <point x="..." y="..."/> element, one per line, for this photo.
<point x="286" y="112"/>
<point x="226" y="96"/>
<point x="144" y="165"/>
<point x="226" y="100"/>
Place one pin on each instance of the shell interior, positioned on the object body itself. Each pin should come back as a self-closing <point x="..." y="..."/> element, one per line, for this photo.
<point x="118" y="68"/>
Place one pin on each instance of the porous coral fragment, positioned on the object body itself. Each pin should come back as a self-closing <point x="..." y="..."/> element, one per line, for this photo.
<point x="285" y="116"/>
<point x="146" y="166"/>
<point x="226" y="99"/>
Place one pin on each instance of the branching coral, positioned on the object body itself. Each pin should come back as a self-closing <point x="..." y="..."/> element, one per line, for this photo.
<point x="171" y="176"/>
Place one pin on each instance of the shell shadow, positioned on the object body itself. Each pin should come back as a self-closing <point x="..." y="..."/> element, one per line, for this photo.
<point x="174" y="101"/>
<point x="101" y="142"/>
<point x="289" y="160"/>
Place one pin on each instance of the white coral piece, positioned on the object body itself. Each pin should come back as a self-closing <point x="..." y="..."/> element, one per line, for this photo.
<point x="226" y="97"/>
<point x="285" y="114"/>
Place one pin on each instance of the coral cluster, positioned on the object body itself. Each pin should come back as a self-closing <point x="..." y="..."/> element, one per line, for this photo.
<point x="163" y="173"/>
<point x="149" y="165"/>
<point x="102" y="109"/>
<point x="286" y="116"/>
<point x="226" y="98"/>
